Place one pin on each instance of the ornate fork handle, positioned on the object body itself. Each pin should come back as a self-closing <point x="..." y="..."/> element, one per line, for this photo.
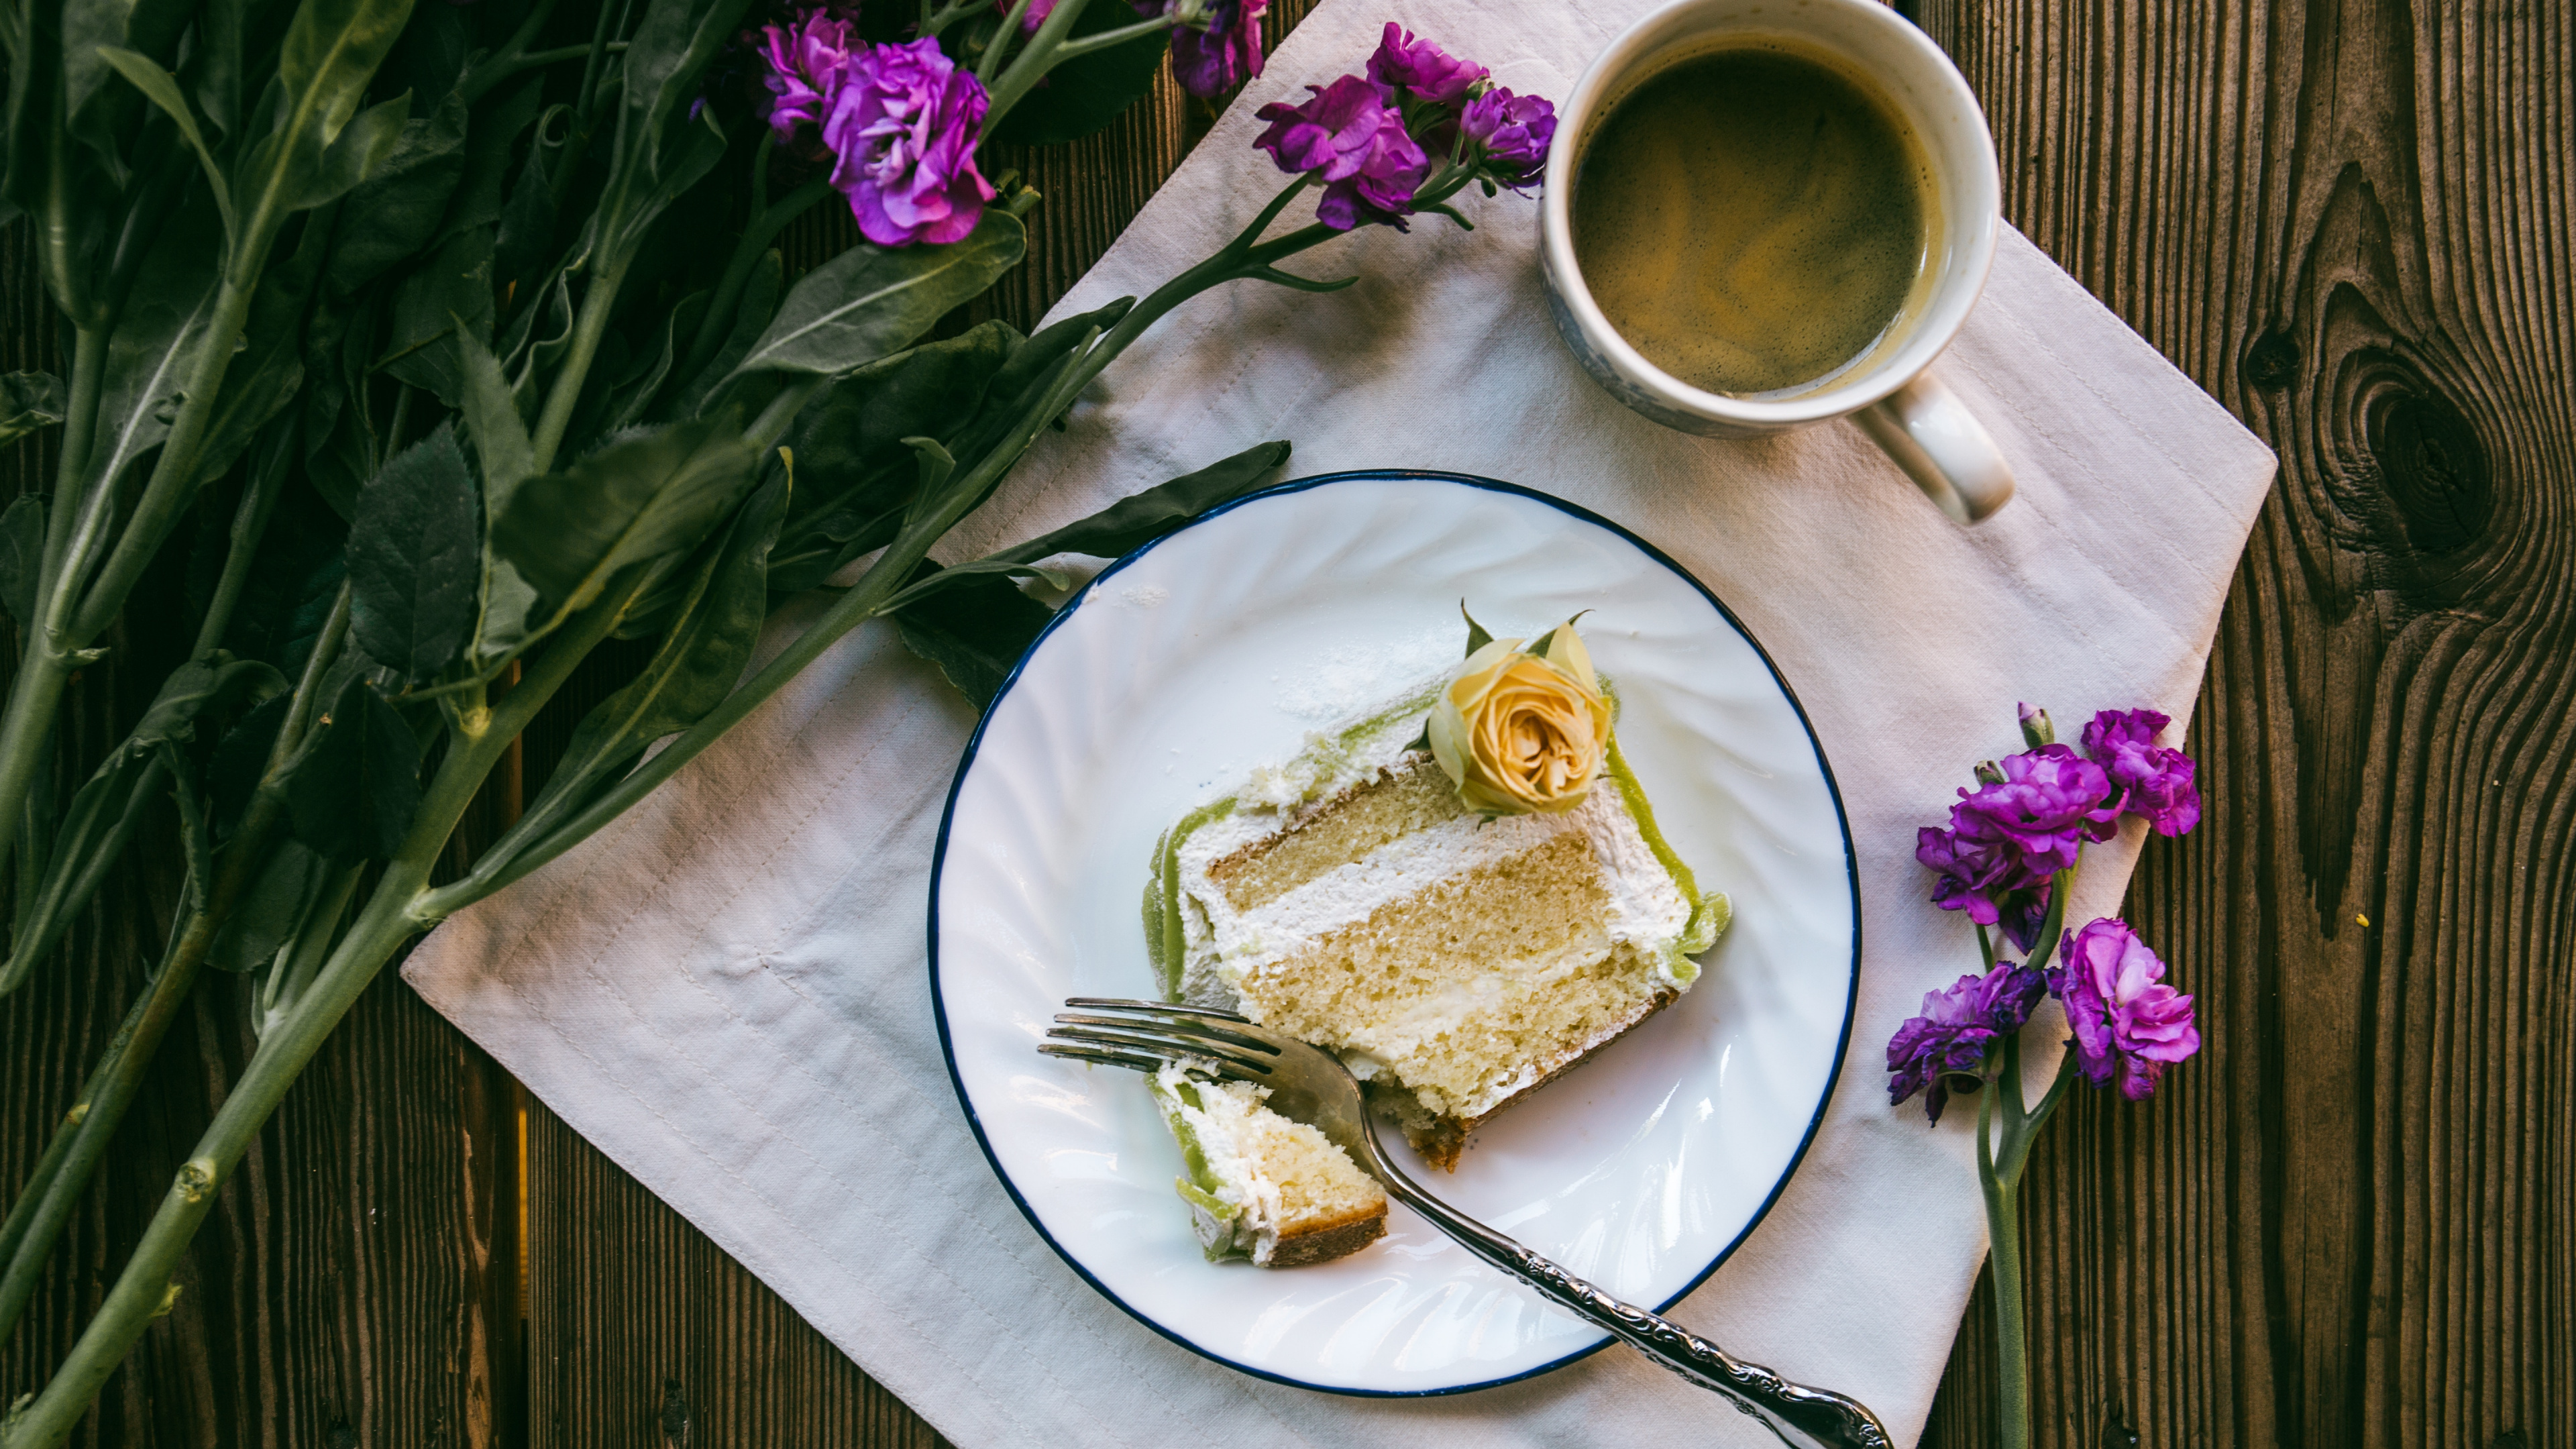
<point x="1805" y="1417"/>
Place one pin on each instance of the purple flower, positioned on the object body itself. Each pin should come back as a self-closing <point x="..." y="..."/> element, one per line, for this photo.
<point x="805" y="60"/>
<point x="1038" y="11"/>
<point x="1219" y="50"/>
<point x="1430" y="73"/>
<point x="1946" y="1046"/>
<point x="903" y="127"/>
<point x="2008" y="837"/>
<point x="1513" y="132"/>
<point x="1356" y="143"/>
<point x="2128" y="1023"/>
<point x="2157" y="782"/>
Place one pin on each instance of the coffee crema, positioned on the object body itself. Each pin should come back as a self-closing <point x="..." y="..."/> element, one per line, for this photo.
<point x="1752" y="220"/>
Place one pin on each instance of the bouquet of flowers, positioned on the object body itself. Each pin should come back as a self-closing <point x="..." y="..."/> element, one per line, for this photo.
<point x="417" y="358"/>
<point x="2009" y="860"/>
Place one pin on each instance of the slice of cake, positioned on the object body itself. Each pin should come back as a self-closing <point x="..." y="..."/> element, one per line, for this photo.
<point x="1260" y="1186"/>
<point x="1368" y="897"/>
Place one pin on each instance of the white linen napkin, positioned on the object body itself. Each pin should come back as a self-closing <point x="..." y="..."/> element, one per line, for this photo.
<point x="726" y="989"/>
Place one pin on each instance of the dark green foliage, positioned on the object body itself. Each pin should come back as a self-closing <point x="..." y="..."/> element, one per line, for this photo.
<point x="416" y="559"/>
<point x="975" y="630"/>
<point x="354" y="780"/>
<point x="640" y="498"/>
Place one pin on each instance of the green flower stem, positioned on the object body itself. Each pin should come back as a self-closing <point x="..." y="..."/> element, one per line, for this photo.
<point x="1000" y="44"/>
<point x="592" y="325"/>
<point x="513" y="55"/>
<point x="174" y="474"/>
<point x="2005" y="1132"/>
<point x="46" y="1202"/>
<point x="390" y="917"/>
<point x="1073" y="49"/>
<point x="1034" y="60"/>
<point x="2003" y="1229"/>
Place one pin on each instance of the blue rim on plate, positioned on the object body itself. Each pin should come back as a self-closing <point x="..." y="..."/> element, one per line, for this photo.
<point x="1824" y="766"/>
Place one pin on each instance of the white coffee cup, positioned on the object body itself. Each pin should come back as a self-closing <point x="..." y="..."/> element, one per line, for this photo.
<point x="1892" y="395"/>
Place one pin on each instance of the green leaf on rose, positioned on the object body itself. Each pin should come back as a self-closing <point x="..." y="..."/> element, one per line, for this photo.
<point x="416" y="559"/>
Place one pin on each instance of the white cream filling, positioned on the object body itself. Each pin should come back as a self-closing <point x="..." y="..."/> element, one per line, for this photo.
<point x="1647" y="910"/>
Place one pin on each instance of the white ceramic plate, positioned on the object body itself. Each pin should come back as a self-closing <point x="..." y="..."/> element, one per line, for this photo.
<point x="1220" y="647"/>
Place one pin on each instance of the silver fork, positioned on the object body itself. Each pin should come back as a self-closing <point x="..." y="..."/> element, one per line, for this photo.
<point x="1311" y="1085"/>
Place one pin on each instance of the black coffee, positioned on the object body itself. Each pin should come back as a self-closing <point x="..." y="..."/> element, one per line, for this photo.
<point x="1752" y="220"/>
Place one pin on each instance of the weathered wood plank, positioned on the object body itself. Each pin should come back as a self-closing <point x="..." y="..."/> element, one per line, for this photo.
<point x="2348" y="1223"/>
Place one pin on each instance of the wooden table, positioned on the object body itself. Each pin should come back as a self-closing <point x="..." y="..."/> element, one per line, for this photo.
<point x="2351" y="1222"/>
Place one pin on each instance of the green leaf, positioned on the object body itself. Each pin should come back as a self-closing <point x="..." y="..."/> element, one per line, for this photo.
<point x="109" y="808"/>
<point x="1477" y="635"/>
<point x="239" y="760"/>
<point x="318" y="144"/>
<point x="22" y="556"/>
<point x="155" y="342"/>
<point x="854" y="473"/>
<point x="975" y="630"/>
<point x="451" y="290"/>
<point x="416" y="559"/>
<point x="671" y="48"/>
<point x="268" y="914"/>
<point x="491" y="142"/>
<point x="1135" y="521"/>
<point x="102" y="819"/>
<point x="269" y="367"/>
<point x="294" y="580"/>
<point x="1088" y="92"/>
<point x="694" y="667"/>
<point x="871" y="301"/>
<point x="393" y="214"/>
<point x="162" y="89"/>
<point x="492" y="420"/>
<point x="650" y="493"/>
<point x="30" y="402"/>
<point x="354" y="781"/>
<point x="751" y="318"/>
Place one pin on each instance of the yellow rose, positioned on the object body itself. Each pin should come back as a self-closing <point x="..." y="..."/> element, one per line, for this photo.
<point x="1522" y="733"/>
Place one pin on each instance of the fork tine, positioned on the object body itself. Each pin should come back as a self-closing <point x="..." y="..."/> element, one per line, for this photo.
<point x="1111" y="1003"/>
<point x="1147" y="1065"/>
<point x="1168" y="1049"/>
<point x="1191" y="1029"/>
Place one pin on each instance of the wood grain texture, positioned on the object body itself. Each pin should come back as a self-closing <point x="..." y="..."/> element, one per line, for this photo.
<point x="2349" y="1221"/>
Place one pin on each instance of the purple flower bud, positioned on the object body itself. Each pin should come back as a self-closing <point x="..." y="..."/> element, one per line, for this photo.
<point x="903" y="126"/>
<point x="1513" y="132"/>
<point x="1348" y="136"/>
<point x="2035" y="727"/>
<point x="1945" y="1047"/>
<point x="1219" y="49"/>
<point x="1421" y="67"/>
<point x="804" y="63"/>
<point x="2157" y="782"/>
<point x="2128" y="1024"/>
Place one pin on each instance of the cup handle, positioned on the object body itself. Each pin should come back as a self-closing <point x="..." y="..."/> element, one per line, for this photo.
<point x="1941" y="446"/>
